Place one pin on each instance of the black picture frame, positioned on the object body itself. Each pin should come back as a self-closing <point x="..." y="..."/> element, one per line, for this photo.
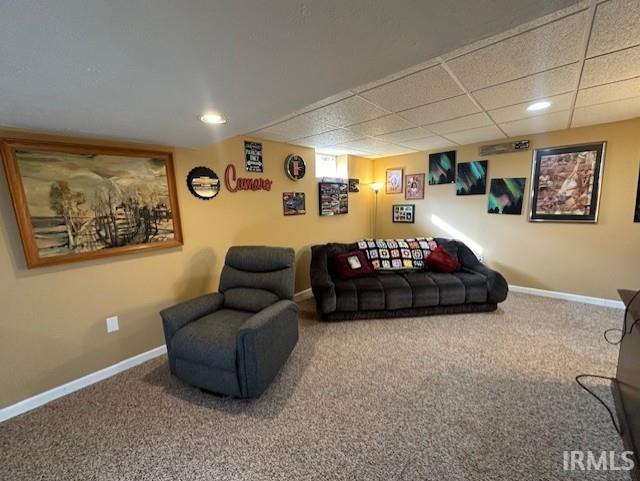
<point x="333" y="197"/>
<point x="556" y="176"/>
<point x="636" y="216"/>
<point x="403" y="213"/>
<point x="253" y="161"/>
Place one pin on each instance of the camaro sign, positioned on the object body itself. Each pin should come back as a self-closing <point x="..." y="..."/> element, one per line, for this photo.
<point x="234" y="184"/>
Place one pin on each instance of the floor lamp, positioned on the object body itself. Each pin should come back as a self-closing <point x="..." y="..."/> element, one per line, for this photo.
<point x="375" y="186"/>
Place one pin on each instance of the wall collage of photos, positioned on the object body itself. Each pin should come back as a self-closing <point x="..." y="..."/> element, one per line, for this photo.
<point x="565" y="184"/>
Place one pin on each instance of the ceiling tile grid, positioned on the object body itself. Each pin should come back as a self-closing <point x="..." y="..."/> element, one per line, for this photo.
<point x="584" y="60"/>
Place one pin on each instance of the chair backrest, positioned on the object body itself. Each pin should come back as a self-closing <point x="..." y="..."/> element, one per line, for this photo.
<point x="254" y="277"/>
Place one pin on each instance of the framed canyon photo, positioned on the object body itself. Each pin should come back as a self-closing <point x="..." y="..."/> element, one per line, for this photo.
<point x="77" y="202"/>
<point x="566" y="183"/>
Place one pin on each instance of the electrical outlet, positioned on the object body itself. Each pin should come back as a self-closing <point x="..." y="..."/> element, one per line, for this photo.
<point x="112" y="324"/>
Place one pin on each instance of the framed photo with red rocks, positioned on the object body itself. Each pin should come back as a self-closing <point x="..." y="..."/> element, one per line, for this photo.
<point x="566" y="183"/>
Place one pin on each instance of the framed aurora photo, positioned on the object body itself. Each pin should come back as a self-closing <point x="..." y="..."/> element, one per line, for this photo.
<point x="506" y="196"/>
<point x="77" y="202"/>
<point x="566" y="183"/>
<point x="472" y="177"/>
<point x="442" y="168"/>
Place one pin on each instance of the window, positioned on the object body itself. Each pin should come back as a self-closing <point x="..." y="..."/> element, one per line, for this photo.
<point x="328" y="165"/>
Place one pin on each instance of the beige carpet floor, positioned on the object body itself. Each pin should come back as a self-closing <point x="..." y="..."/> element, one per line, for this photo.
<point x="461" y="397"/>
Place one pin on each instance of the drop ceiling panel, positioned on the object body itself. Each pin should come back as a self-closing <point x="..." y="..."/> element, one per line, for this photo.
<point x="462" y="123"/>
<point x="609" y="92"/>
<point x="616" y="26"/>
<point x="538" y="124"/>
<point x="612" y="67"/>
<point x="543" y="48"/>
<point x="420" y="88"/>
<point x="409" y="134"/>
<point x="295" y="128"/>
<point x="429" y="143"/>
<point x="396" y="76"/>
<point x="481" y="134"/>
<point x="346" y="112"/>
<point x="376" y="147"/>
<point x="608" y="112"/>
<point x="325" y="139"/>
<point x="326" y="101"/>
<point x="383" y="125"/>
<point x="519" y="111"/>
<point x="544" y="84"/>
<point x="439" y="111"/>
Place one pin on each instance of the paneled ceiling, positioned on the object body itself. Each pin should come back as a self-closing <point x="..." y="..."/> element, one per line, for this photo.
<point x="584" y="60"/>
<point x="147" y="69"/>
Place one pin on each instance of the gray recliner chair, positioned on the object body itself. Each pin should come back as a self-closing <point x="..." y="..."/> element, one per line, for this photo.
<point x="235" y="341"/>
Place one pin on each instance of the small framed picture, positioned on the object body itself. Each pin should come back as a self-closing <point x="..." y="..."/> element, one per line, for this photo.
<point x="293" y="203"/>
<point x="404" y="213"/>
<point x="414" y="188"/>
<point x="565" y="183"/>
<point x="354" y="185"/>
<point x="394" y="181"/>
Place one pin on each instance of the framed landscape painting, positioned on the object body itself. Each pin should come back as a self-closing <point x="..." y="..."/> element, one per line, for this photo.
<point x="472" y="178"/>
<point x="566" y="182"/>
<point x="77" y="202"/>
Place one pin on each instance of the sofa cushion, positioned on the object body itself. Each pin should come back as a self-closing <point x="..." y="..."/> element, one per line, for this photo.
<point x="424" y="290"/>
<point x="370" y="293"/>
<point x="397" y="291"/>
<point x="211" y="340"/>
<point x="451" y="289"/>
<point x="346" y="295"/>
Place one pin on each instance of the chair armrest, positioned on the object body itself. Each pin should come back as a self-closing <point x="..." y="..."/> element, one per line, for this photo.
<point x="322" y="285"/>
<point x="264" y="342"/>
<point x="176" y="317"/>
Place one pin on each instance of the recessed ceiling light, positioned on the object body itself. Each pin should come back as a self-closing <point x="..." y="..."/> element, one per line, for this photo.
<point x="539" y="106"/>
<point x="212" y="118"/>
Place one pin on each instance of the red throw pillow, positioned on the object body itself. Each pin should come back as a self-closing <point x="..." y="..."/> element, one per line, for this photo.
<point x="441" y="260"/>
<point x="351" y="265"/>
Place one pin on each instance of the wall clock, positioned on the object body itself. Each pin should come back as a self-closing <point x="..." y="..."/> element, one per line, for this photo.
<point x="295" y="167"/>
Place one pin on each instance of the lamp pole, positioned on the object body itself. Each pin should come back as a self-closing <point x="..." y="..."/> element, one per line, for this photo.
<point x="375" y="186"/>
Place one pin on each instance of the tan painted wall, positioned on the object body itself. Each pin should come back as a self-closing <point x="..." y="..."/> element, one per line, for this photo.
<point x="52" y="322"/>
<point x="587" y="259"/>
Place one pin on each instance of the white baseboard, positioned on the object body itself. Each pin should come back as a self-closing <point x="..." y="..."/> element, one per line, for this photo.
<point x="598" y="301"/>
<point x="303" y="295"/>
<point x="41" y="399"/>
<point x="57" y="392"/>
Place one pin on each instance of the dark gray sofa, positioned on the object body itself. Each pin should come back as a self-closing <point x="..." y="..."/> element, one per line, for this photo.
<point x="235" y="341"/>
<point x="475" y="288"/>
